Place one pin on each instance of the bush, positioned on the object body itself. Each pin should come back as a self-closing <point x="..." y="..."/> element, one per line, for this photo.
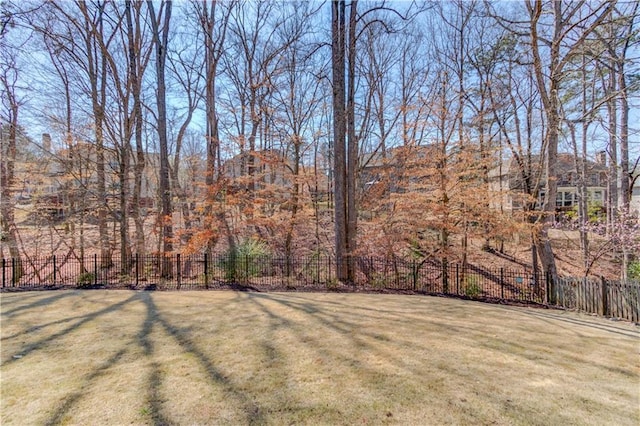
<point x="85" y="280"/>
<point x="379" y="280"/>
<point x="633" y="271"/>
<point x="332" y="284"/>
<point x="471" y="287"/>
<point x="244" y="262"/>
<point x="595" y="212"/>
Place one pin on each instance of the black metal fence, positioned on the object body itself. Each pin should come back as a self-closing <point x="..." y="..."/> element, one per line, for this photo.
<point x="318" y="273"/>
<point x="272" y="273"/>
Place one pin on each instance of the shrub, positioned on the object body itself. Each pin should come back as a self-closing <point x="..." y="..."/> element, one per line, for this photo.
<point x="471" y="287"/>
<point x="86" y="279"/>
<point x="594" y="212"/>
<point x="633" y="271"/>
<point x="332" y="284"/>
<point x="243" y="262"/>
<point x="378" y="280"/>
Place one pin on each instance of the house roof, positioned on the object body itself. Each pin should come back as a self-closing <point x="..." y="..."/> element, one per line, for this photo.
<point x="566" y="164"/>
<point x="398" y="155"/>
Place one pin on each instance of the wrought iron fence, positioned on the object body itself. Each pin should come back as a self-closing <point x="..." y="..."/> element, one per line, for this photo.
<point x="271" y="273"/>
<point x="318" y="273"/>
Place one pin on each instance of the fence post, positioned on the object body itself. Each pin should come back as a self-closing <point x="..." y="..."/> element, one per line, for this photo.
<point x="502" y="283"/>
<point x="414" y="271"/>
<point x="137" y="270"/>
<point x="4" y="265"/>
<point x="95" y="269"/>
<point x="457" y="279"/>
<point x="54" y="269"/>
<point x="604" y="299"/>
<point x="547" y="295"/>
<point x="246" y="268"/>
<point x="178" y="270"/>
<point x="445" y="276"/>
<point x="206" y="270"/>
<point x="13" y="272"/>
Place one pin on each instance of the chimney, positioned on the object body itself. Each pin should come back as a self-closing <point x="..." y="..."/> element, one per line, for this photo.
<point x="601" y="158"/>
<point x="46" y="142"/>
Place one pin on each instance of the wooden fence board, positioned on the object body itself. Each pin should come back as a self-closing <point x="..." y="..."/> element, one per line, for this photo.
<point x="616" y="299"/>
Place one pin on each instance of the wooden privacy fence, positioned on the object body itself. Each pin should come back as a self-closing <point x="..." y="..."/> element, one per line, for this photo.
<point x="619" y="299"/>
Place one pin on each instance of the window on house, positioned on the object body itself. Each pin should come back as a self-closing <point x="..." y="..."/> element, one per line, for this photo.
<point x="565" y="199"/>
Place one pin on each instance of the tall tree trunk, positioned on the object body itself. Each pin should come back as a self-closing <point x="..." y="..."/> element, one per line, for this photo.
<point x="295" y="201"/>
<point x="625" y="178"/>
<point x="161" y="41"/>
<point x="549" y="94"/>
<point x="352" y="146"/>
<point x="8" y="142"/>
<point x="135" y="71"/>
<point x="213" y="48"/>
<point x="339" y="136"/>
<point x="123" y="177"/>
<point x="97" y="70"/>
<point x="612" y="111"/>
<point x="580" y="165"/>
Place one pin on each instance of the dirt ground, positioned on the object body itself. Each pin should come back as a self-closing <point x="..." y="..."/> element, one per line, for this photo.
<point x="43" y="240"/>
<point x="127" y="357"/>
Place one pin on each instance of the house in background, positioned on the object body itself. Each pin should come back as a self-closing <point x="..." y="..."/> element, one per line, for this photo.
<point x="508" y="185"/>
<point x="398" y="169"/>
<point x="273" y="176"/>
<point x="61" y="182"/>
<point x="269" y="167"/>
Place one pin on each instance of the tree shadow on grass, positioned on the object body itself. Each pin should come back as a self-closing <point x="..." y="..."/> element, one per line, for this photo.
<point x="358" y="339"/>
<point x="39" y="303"/>
<point x="331" y="321"/>
<point x="534" y="351"/>
<point x="8" y="299"/>
<point x="143" y="339"/>
<point x="254" y="414"/>
<point x="72" y="399"/>
<point x="155" y="377"/>
<point x="26" y="350"/>
<point x="40" y="327"/>
<point x="556" y="319"/>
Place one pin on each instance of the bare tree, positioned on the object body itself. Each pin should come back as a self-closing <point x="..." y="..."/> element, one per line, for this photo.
<point x="186" y="69"/>
<point x="297" y="97"/>
<point x="137" y="65"/>
<point x="213" y="17"/>
<point x="160" y="27"/>
<point x="90" y="26"/>
<point x="338" y="58"/>
<point x="11" y="103"/>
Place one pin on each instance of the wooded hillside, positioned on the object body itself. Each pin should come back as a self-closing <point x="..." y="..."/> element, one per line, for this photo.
<point x="459" y="131"/>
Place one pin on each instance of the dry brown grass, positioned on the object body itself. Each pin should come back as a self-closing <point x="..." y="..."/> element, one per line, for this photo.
<point x="120" y="357"/>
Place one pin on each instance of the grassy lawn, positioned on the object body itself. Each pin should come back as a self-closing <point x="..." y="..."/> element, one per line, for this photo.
<point x="123" y="357"/>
